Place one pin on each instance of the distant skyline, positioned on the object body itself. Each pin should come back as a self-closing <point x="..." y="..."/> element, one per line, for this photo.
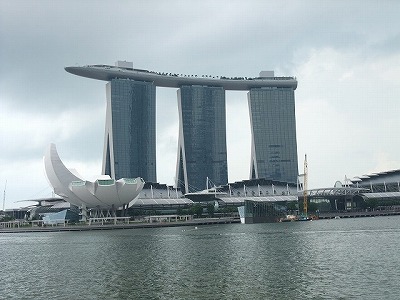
<point x="345" y="56"/>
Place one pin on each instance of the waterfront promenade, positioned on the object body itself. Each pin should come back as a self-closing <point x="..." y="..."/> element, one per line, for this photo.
<point x="359" y="214"/>
<point x="136" y="225"/>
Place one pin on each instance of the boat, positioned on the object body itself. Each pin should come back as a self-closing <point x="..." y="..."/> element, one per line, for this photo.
<point x="288" y="218"/>
<point x="303" y="218"/>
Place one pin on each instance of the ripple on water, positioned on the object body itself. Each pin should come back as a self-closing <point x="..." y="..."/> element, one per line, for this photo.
<point x="333" y="259"/>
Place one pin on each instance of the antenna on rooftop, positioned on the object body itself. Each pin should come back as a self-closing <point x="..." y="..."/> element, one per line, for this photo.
<point x="4" y="196"/>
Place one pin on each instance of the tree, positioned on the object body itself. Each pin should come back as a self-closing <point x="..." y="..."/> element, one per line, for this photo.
<point x="6" y="218"/>
<point x="210" y="209"/>
<point x="197" y="209"/>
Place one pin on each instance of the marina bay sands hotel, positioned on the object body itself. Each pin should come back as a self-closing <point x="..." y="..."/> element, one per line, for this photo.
<point x="130" y="135"/>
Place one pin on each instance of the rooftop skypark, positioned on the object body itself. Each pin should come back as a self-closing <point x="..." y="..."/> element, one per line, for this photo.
<point x="125" y="70"/>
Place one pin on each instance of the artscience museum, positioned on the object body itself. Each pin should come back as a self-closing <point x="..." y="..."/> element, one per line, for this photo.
<point x="104" y="193"/>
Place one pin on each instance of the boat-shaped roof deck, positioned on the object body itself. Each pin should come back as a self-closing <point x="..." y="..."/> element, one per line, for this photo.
<point x="107" y="73"/>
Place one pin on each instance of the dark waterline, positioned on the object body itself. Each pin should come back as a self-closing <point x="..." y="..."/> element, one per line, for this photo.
<point x="325" y="259"/>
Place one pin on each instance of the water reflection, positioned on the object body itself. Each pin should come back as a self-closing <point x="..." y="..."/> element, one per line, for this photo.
<point x="319" y="260"/>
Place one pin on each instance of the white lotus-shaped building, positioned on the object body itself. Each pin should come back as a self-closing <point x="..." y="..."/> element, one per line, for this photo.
<point x="104" y="193"/>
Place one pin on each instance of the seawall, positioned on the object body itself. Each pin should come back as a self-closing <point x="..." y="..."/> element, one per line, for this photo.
<point x="195" y="222"/>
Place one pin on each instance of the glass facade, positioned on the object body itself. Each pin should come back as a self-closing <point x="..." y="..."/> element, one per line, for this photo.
<point x="273" y="126"/>
<point x="66" y="215"/>
<point x="263" y="212"/>
<point x="130" y="137"/>
<point x="202" y="137"/>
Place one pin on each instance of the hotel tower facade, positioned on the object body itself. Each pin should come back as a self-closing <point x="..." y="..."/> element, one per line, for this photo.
<point x="130" y="134"/>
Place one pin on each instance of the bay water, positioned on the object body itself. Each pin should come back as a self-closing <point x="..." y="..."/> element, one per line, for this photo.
<point x="324" y="259"/>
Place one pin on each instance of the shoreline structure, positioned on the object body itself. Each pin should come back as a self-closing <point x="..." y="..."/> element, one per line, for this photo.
<point x="194" y="222"/>
<point x="136" y="225"/>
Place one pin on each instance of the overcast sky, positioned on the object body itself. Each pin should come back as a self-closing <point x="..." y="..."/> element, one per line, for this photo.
<point x="345" y="55"/>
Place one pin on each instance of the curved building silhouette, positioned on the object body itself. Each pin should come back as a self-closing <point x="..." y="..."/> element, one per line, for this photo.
<point x="130" y="143"/>
<point x="103" y="193"/>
